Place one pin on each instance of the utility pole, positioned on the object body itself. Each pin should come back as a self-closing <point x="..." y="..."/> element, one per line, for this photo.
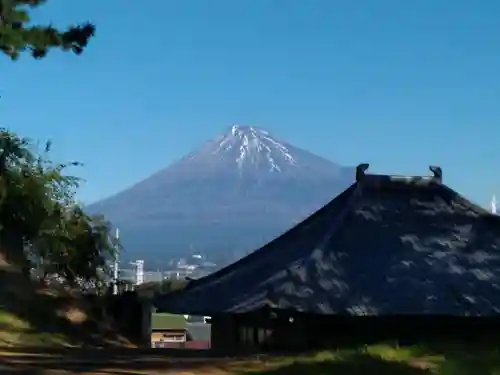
<point x="116" y="265"/>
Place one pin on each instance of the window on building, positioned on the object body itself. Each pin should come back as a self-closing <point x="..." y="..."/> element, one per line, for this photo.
<point x="170" y="338"/>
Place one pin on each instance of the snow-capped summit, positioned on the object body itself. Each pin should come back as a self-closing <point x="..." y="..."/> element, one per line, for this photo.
<point x="243" y="130"/>
<point x="233" y="193"/>
<point x="253" y="152"/>
<point x="254" y="146"/>
<point x="247" y="131"/>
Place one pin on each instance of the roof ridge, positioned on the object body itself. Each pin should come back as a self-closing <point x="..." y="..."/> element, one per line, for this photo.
<point x="362" y="176"/>
<point x="344" y="211"/>
<point x="351" y="195"/>
<point x="470" y="204"/>
<point x="261" y="251"/>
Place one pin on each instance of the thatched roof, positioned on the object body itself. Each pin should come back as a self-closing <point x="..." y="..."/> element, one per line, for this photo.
<point x="387" y="245"/>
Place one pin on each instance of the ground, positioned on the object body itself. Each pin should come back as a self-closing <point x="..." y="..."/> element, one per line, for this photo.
<point x="53" y="320"/>
<point x="384" y="359"/>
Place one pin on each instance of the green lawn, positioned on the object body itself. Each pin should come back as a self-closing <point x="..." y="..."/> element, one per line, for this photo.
<point x="438" y="359"/>
<point x="380" y="359"/>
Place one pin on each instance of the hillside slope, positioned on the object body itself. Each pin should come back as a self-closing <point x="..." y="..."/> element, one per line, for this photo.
<point x="34" y="315"/>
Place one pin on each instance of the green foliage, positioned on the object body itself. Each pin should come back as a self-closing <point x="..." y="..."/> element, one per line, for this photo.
<point x="38" y="211"/>
<point x="77" y="246"/>
<point x="17" y="34"/>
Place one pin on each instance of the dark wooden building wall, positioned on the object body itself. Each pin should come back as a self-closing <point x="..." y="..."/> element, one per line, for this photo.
<point x="305" y="332"/>
<point x="224" y="332"/>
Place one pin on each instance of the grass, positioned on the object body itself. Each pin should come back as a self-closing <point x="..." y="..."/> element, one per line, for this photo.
<point x="385" y="359"/>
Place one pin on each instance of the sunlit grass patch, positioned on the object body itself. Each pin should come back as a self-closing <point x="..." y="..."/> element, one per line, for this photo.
<point x="11" y="321"/>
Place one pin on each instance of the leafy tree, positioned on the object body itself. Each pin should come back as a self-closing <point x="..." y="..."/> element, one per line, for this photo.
<point x="78" y="247"/>
<point x="21" y="196"/>
<point x="40" y="219"/>
<point x="17" y="34"/>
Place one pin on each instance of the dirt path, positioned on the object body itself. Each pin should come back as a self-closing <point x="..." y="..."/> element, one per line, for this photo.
<point x="102" y="362"/>
<point x="131" y="367"/>
<point x="178" y="362"/>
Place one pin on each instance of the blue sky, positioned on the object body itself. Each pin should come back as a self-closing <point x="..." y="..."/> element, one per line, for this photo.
<point x="400" y="84"/>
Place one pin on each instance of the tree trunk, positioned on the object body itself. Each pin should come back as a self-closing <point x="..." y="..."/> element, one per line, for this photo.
<point x="12" y="251"/>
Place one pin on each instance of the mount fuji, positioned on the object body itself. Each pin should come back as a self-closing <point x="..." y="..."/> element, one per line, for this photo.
<point x="231" y="195"/>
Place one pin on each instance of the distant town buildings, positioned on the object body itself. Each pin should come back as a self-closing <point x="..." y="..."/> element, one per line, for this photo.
<point x="195" y="266"/>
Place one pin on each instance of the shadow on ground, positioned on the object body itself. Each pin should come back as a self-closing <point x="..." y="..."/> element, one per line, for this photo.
<point x="389" y="359"/>
<point x="109" y="366"/>
<point x="160" y="364"/>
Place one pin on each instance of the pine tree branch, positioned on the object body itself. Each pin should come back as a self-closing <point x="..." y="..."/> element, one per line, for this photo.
<point x="16" y="36"/>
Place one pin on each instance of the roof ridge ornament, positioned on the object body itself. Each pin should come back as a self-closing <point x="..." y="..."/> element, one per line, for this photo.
<point x="438" y="173"/>
<point x="360" y="171"/>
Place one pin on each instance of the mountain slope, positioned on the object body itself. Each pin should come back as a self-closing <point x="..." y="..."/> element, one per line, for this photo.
<point x="232" y="194"/>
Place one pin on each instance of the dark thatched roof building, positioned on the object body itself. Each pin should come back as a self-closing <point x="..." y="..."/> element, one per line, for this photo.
<point x="388" y="245"/>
